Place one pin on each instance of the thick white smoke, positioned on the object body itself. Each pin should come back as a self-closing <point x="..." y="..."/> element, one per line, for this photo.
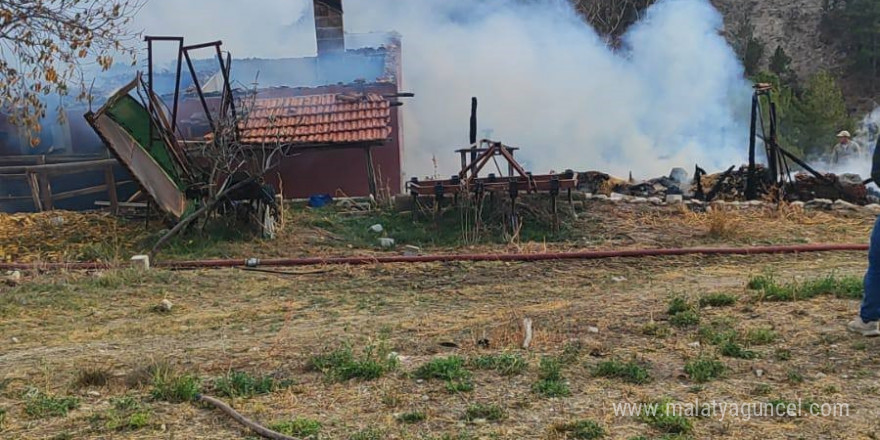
<point x="673" y="96"/>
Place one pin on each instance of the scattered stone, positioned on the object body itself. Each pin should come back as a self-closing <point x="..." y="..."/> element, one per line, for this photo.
<point x="593" y="329"/>
<point x="655" y="200"/>
<point x="819" y="204"/>
<point x="618" y="279"/>
<point x="13" y="278"/>
<point x="165" y="306"/>
<point x="386" y="243"/>
<point x="141" y="262"/>
<point x="411" y="251"/>
<point x="820" y="375"/>
<point x="15" y="340"/>
<point x="616" y="197"/>
<point x="694" y="344"/>
<point x="638" y="200"/>
<point x="377" y="228"/>
<point x="674" y="198"/>
<point x="479" y="421"/>
<point x="843" y="205"/>
<point x="93" y="393"/>
<point x="753" y="203"/>
<point x="799" y="204"/>
<point x="759" y="372"/>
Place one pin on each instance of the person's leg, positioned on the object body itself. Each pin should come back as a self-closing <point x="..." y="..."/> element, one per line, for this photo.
<point x="870" y="310"/>
<point x="866" y="323"/>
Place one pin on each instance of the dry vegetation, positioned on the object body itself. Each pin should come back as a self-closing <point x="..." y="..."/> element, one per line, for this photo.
<point x="432" y="351"/>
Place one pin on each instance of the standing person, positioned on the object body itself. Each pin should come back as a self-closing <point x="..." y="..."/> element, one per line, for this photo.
<point x="869" y="315"/>
<point x="846" y="148"/>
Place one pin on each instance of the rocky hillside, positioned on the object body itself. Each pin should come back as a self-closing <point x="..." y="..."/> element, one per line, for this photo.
<point x="792" y="24"/>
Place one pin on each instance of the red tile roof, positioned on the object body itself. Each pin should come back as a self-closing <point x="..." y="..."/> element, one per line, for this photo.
<point x="318" y="119"/>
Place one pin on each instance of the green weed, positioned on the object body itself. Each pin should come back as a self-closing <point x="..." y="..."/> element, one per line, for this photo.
<point x="491" y="412"/>
<point x="630" y="372"/>
<point x="580" y="430"/>
<point x="704" y="369"/>
<point x="298" y="427"/>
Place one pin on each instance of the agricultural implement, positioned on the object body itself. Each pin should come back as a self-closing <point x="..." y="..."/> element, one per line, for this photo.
<point x="184" y="179"/>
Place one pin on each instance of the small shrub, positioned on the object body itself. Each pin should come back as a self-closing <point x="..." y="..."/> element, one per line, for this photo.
<point x="685" y="319"/>
<point x="459" y="386"/>
<point x="448" y="369"/>
<point x="759" y="336"/>
<point x="847" y="287"/>
<point x="505" y="364"/>
<point x="42" y="405"/>
<point x="491" y="412"/>
<point x="241" y="384"/>
<point x="664" y="420"/>
<point x="551" y="382"/>
<point x="412" y="417"/>
<point x="172" y="387"/>
<point x="704" y="369"/>
<point x="581" y="430"/>
<point x="717" y="300"/>
<point x="630" y="372"/>
<point x="342" y="365"/>
<point x="92" y="377"/>
<point x="734" y="350"/>
<point x="795" y="376"/>
<point x="678" y="304"/>
<point x="298" y="427"/>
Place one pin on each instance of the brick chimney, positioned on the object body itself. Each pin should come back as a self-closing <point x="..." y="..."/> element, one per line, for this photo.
<point x="329" y="27"/>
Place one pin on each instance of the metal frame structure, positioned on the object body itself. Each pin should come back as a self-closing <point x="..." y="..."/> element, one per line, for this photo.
<point x="779" y="169"/>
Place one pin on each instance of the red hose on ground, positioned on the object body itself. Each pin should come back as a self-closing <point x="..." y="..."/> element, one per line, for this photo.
<point x="365" y="260"/>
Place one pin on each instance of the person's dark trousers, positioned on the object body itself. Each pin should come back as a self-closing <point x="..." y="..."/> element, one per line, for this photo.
<point x="871" y="302"/>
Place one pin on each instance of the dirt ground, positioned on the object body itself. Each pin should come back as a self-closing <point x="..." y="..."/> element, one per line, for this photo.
<point x="57" y="326"/>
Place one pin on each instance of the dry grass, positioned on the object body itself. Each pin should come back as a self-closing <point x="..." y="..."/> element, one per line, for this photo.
<point x="272" y="326"/>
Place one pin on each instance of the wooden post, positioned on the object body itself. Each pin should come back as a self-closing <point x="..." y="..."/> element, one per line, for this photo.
<point x="45" y="188"/>
<point x="35" y="190"/>
<point x="110" y="180"/>
<point x="371" y="172"/>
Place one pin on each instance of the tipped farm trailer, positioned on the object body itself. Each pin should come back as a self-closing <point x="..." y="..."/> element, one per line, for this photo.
<point x="180" y="177"/>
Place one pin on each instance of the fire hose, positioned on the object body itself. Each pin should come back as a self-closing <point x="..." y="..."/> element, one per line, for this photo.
<point x="445" y="258"/>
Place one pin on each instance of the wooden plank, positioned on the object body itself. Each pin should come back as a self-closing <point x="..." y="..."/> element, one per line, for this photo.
<point x="35" y="191"/>
<point x="60" y="168"/>
<point x="45" y="187"/>
<point x="137" y="205"/>
<point x="110" y="180"/>
<point x="84" y="191"/>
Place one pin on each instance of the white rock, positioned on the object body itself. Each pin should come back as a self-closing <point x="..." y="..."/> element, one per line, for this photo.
<point x="844" y="205"/>
<point x="820" y="375"/>
<point x="600" y="197"/>
<point x="759" y="372"/>
<point x="638" y="200"/>
<point x="799" y="204"/>
<point x="14" y="278"/>
<point x="141" y="262"/>
<point x="616" y="197"/>
<point x="386" y="242"/>
<point x="593" y="329"/>
<point x="165" y="306"/>
<point x="618" y="279"/>
<point x="377" y="228"/>
<point x="674" y="198"/>
<point x="15" y="340"/>
<point x="694" y="345"/>
<point x="411" y="251"/>
<point x="655" y="200"/>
